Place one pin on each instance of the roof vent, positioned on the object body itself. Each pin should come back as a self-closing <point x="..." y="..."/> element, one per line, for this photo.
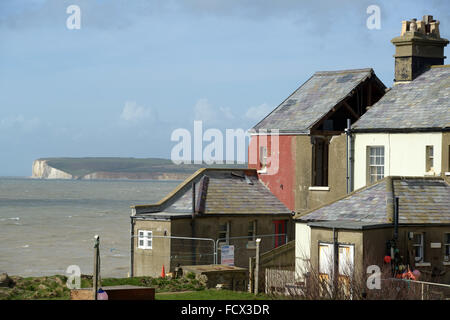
<point x="248" y="180"/>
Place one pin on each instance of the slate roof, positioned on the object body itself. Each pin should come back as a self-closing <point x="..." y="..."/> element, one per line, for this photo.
<point x="311" y="101"/>
<point x="228" y="192"/>
<point x="422" y="104"/>
<point x="422" y="200"/>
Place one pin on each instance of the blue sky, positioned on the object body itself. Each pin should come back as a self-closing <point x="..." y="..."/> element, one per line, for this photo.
<point x="137" y="70"/>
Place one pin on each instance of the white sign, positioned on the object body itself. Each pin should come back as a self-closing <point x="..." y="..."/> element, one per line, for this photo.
<point x="436" y="245"/>
<point x="227" y="255"/>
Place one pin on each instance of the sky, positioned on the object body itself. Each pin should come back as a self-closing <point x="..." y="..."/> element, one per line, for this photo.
<point x="137" y="70"/>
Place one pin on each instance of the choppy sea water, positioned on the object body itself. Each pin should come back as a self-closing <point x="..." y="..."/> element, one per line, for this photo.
<point x="48" y="225"/>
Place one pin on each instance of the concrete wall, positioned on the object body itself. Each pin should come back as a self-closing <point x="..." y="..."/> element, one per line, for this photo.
<point x="280" y="180"/>
<point x="445" y="152"/>
<point x="404" y="154"/>
<point x="209" y="227"/>
<point x="302" y="249"/>
<point x="292" y="183"/>
<point x="170" y="252"/>
<point x="305" y="198"/>
<point x="350" y="237"/>
<point x="149" y="262"/>
<point x="370" y="248"/>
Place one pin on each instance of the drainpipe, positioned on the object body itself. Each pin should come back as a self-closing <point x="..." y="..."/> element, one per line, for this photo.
<point x="349" y="156"/>
<point x="336" y="261"/>
<point x="132" y="247"/>
<point x="396" y="219"/>
<point x="193" y="224"/>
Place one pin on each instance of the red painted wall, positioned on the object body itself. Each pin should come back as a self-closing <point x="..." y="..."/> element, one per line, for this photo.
<point x="280" y="182"/>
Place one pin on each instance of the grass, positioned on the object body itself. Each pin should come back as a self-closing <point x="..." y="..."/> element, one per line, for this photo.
<point x="37" y="288"/>
<point x="161" y="284"/>
<point x="211" y="294"/>
<point x="54" y="287"/>
<point x="185" y="288"/>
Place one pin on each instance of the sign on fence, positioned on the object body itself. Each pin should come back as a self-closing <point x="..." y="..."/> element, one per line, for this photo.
<point x="227" y="255"/>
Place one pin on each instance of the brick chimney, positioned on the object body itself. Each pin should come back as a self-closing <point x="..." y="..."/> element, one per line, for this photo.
<point x="418" y="47"/>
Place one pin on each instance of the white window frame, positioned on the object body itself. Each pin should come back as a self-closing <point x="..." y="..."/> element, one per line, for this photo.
<point x="420" y="245"/>
<point x="225" y="241"/>
<point x="146" y="237"/>
<point x="429" y="158"/>
<point x="375" y="165"/>
<point x="346" y="262"/>
<point x="252" y="229"/>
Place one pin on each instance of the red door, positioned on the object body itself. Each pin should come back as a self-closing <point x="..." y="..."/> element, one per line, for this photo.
<point x="280" y="231"/>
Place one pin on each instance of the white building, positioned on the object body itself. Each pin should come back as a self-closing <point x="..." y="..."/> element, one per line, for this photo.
<point x="407" y="132"/>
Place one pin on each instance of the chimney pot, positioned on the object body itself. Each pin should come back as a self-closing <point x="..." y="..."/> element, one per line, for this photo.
<point x="417" y="48"/>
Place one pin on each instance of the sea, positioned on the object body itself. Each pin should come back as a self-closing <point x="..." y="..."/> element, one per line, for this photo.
<point x="48" y="225"/>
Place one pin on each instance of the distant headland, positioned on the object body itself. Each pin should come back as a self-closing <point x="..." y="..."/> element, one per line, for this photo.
<point x="116" y="168"/>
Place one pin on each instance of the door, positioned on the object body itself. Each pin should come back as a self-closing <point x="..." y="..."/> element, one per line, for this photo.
<point x="280" y="231"/>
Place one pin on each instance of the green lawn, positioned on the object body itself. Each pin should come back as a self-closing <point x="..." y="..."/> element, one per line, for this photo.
<point x="211" y="294"/>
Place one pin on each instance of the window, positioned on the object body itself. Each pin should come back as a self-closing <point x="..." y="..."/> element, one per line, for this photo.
<point x="346" y="260"/>
<point x="326" y="258"/>
<point x="263" y="158"/>
<point x="280" y="231"/>
<point x="326" y="263"/>
<point x="375" y="163"/>
<point x="429" y="158"/>
<point x="252" y="230"/>
<point x="145" y="239"/>
<point x="418" y="247"/>
<point x="447" y="246"/>
<point x="224" y="234"/>
<point x="320" y="162"/>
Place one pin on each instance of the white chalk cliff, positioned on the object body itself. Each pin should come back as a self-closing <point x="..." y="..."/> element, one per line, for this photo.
<point x="42" y="170"/>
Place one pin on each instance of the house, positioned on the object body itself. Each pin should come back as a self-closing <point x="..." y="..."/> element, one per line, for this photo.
<point x="400" y="163"/>
<point x="407" y="132"/>
<point x="360" y="228"/>
<point x="300" y="148"/>
<point x="210" y="209"/>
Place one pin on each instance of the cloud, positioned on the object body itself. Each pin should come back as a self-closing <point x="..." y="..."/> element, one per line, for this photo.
<point x="20" y="122"/>
<point x="133" y="113"/>
<point x="257" y="113"/>
<point x="205" y="111"/>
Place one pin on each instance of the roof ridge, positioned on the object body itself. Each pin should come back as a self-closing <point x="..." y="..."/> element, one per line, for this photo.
<point x="333" y="72"/>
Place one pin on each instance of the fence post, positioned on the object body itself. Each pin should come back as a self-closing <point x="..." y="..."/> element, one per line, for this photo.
<point x="95" y="274"/>
<point x="250" y="275"/>
<point x="257" y="265"/>
<point x="422" y="291"/>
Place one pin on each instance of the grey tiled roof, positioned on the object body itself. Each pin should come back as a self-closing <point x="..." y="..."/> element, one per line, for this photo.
<point x="423" y="103"/>
<point x="316" y="97"/>
<point x="421" y="201"/>
<point x="228" y="192"/>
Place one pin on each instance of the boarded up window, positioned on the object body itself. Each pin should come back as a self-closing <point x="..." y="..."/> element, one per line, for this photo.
<point x="320" y="162"/>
